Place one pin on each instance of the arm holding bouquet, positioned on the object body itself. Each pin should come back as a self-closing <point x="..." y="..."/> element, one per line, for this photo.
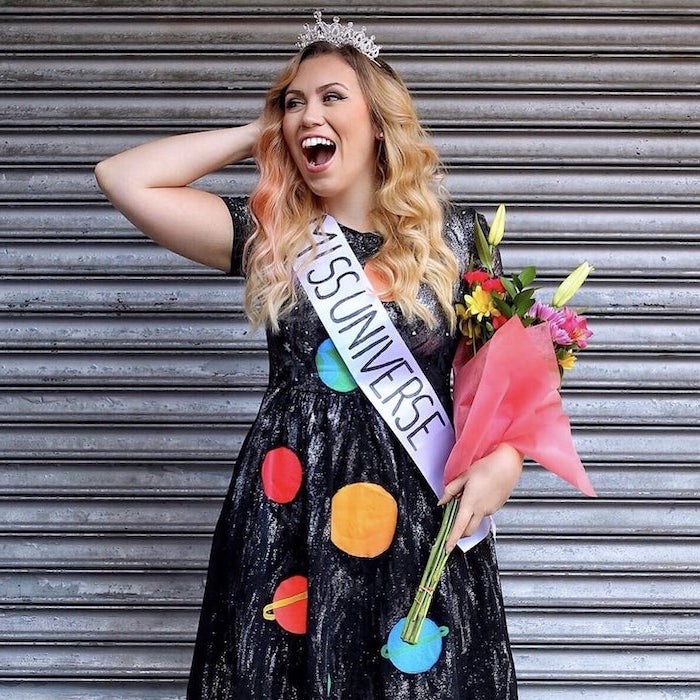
<point x="482" y="489"/>
<point x="507" y="376"/>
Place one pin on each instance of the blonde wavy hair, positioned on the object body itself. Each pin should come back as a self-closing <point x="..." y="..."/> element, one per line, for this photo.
<point x="408" y="210"/>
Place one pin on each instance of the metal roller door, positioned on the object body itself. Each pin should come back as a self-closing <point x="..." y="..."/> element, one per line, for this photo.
<point x="128" y="376"/>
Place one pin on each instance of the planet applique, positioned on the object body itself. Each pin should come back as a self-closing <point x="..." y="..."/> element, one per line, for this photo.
<point x="281" y="475"/>
<point x="363" y="519"/>
<point x="289" y="605"/>
<point x="418" y="657"/>
<point x="378" y="280"/>
<point x="331" y="368"/>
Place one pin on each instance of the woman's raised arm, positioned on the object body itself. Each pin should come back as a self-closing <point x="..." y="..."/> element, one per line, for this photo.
<point x="149" y="184"/>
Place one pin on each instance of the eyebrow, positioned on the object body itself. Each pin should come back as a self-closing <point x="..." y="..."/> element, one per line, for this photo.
<point x="321" y="88"/>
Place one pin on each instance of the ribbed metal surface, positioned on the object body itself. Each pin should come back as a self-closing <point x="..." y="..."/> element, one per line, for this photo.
<point x="128" y="376"/>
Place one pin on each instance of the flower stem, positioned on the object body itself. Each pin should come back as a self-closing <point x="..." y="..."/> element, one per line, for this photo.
<point x="431" y="575"/>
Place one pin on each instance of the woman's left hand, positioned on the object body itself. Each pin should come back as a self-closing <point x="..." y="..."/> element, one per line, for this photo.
<point x="484" y="488"/>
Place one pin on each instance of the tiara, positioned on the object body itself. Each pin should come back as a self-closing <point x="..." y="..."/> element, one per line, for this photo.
<point x="338" y="35"/>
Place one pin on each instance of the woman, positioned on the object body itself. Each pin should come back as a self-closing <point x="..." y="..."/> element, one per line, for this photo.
<point x="328" y="522"/>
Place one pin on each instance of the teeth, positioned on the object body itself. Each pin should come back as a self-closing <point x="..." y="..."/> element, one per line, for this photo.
<point x="316" y="141"/>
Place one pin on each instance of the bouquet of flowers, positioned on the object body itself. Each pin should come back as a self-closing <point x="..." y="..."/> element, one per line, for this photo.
<point x="507" y="376"/>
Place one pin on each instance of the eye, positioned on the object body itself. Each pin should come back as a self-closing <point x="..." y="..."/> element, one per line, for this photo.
<point x="292" y="103"/>
<point x="333" y="97"/>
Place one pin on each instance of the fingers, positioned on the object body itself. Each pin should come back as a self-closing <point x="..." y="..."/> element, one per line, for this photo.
<point x="453" y="489"/>
<point x="466" y="523"/>
<point x="482" y="490"/>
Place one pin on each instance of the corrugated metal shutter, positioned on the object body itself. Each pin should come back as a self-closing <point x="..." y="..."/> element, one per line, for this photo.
<point x="129" y="375"/>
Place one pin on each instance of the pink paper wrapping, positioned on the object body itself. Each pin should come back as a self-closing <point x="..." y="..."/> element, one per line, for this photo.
<point x="509" y="392"/>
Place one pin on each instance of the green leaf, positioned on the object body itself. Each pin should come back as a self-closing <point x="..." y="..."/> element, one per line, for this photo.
<point x="526" y="294"/>
<point x="528" y="275"/>
<point x="482" y="246"/>
<point x="503" y="307"/>
<point x="510" y="288"/>
<point x="523" y="301"/>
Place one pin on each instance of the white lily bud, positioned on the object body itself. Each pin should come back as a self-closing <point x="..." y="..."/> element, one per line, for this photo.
<point x="498" y="226"/>
<point x="571" y="285"/>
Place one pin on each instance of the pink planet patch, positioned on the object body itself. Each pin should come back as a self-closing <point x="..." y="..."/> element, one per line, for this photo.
<point x="281" y="475"/>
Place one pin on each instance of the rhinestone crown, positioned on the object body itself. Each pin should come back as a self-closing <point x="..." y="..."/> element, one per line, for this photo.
<point x="339" y="35"/>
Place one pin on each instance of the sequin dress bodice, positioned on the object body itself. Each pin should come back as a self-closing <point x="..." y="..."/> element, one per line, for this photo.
<point x="293" y="350"/>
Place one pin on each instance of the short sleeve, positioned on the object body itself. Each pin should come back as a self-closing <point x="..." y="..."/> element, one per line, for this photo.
<point x="242" y="230"/>
<point x="459" y="233"/>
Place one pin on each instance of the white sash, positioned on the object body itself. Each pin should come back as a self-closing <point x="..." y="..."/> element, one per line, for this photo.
<point x="377" y="356"/>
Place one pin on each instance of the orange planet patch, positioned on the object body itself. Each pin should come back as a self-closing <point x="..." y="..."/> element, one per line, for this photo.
<point x="289" y="605"/>
<point x="378" y="280"/>
<point x="281" y="475"/>
<point x="363" y="519"/>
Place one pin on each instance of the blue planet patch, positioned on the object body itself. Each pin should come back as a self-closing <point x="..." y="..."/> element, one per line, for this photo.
<point x="418" y="657"/>
<point x="331" y="368"/>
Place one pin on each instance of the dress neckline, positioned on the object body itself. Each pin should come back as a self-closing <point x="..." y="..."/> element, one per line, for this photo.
<point x="355" y="232"/>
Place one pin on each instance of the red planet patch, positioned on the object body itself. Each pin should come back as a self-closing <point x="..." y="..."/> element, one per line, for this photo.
<point x="289" y="604"/>
<point x="281" y="475"/>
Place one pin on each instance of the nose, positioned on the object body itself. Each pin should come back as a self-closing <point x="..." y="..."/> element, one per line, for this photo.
<point x="313" y="115"/>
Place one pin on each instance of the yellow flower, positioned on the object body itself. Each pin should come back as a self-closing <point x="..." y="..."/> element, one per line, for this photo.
<point x="480" y="304"/>
<point x="465" y="322"/>
<point x="567" y="362"/>
<point x="469" y="328"/>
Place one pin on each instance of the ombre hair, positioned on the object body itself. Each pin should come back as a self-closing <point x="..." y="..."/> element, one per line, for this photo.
<point x="408" y="209"/>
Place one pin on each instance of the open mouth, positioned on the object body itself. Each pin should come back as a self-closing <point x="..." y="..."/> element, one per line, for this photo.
<point x="317" y="150"/>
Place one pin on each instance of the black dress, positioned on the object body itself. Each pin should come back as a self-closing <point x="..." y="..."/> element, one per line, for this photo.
<point x="326" y="529"/>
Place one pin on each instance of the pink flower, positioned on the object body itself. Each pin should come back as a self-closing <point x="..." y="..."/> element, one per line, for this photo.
<point x="565" y="326"/>
<point x="553" y="318"/>
<point x="576" y="327"/>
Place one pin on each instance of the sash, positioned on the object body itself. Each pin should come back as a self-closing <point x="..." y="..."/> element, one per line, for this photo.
<point x="376" y="355"/>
